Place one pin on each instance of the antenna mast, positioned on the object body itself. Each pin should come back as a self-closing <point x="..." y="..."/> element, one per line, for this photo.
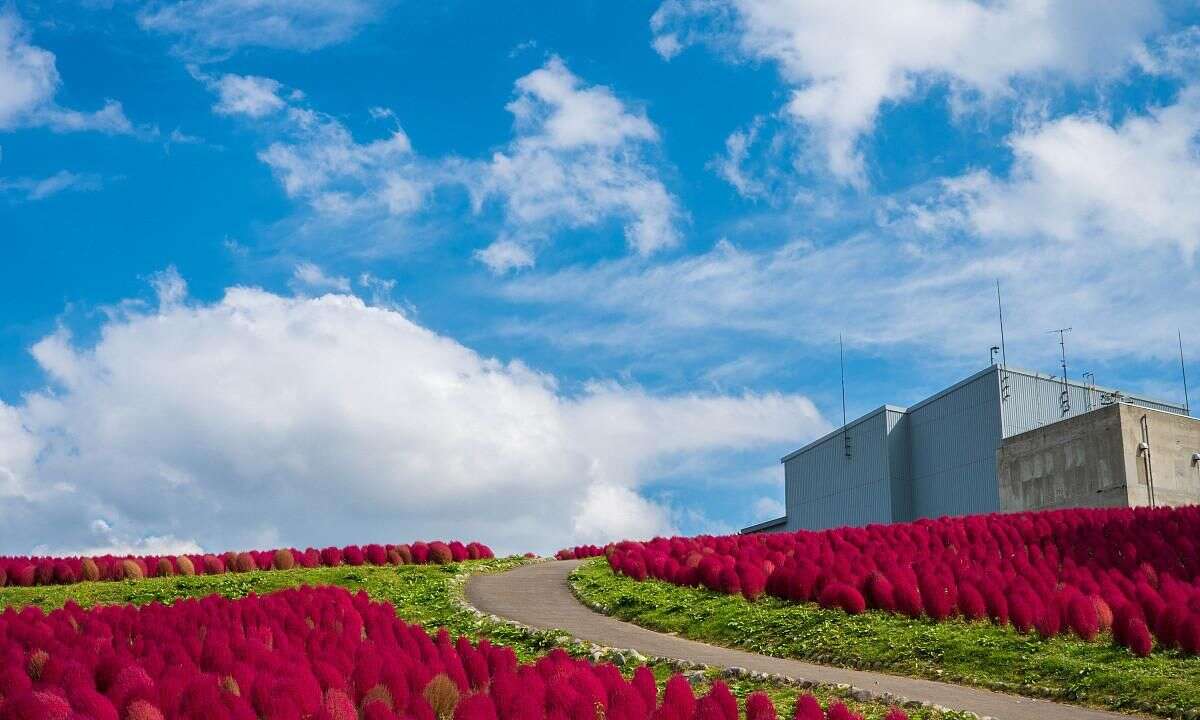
<point x="842" y="364"/>
<point x="1187" y="407"/>
<point x="1003" y="348"/>
<point x="1064" y="398"/>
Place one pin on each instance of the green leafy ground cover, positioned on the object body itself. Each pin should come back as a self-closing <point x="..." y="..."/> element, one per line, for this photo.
<point x="1096" y="673"/>
<point x="430" y="595"/>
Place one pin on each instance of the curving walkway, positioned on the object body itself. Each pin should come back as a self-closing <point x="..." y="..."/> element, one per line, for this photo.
<point x="538" y="595"/>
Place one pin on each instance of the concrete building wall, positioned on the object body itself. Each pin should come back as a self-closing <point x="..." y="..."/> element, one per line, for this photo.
<point x="953" y="440"/>
<point x="1078" y="462"/>
<point x="1092" y="460"/>
<point x="1173" y="440"/>
<point x="824" y="488"/>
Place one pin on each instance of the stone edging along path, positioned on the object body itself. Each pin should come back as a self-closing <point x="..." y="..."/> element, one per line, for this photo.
<point x="538" y="596"/>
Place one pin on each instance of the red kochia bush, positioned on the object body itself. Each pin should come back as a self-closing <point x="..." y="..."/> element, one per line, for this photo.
<point x="1082" y="615"/>
<point x="809" y="708"/>
<point x="439" y="553"/>
<point x="284" y="559"/>
<point x="319" y="653"/>
<point x="579" y="552"/>
<point x="759" y="707"/>
<point x="60" y="571"/>
<point x="1063" y="571"/>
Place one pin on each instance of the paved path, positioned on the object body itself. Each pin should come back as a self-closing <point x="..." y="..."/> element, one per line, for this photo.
<point x="538" y="595"/>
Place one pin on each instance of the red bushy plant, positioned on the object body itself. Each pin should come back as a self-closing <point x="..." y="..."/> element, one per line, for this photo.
<point x="27" y="572"/>
<point x="283" y="559"/>
<point x="439" y="553"/>
<point x="331" y="557"/>
<point x="213" y="565"/>
<point x="808" y="708"/>
<point x="90" y="571"/>
<point x="1056" y="571"/>
<point x="1083" y="618"/>
<point x="759" y="707"/>
<point x="244" y="562"/>
<point x="353" y="555"/>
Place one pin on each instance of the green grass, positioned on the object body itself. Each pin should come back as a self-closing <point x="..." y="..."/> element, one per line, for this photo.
<point x="1097" y="673"/>
<point x="426" y="594"/>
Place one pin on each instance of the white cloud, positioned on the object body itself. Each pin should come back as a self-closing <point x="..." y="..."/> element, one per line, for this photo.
<point x="580" y="157"/>
<point x="1174" y="54"/>
<point x="19" y="448"/>
<point x="731" y="166"/>
<point x="504" y="255"/>
<point x="895" y="289"/>
<point x="768" y="508"/>
<point x="310" y="276"/>
<point x="262" y="418"/>
<point x="364" y="194"/>
<point x="29" y="81"/>
<point x="1096" y="226"/>
<point x="204" y="27"/>
<point x="42" y="188"/>
<point x="169" y="287"/>
<point x="106" y="540"/>
<point x="323" y="164"/>
<point x="28" y="78"/>
<point x="250" y="95"/>
<point x="611" y="511"/>
<point x="845" y="60"/>
<point x="1086" y="184"/>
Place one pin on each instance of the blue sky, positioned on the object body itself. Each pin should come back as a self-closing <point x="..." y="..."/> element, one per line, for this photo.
<point x="581" y="260"/>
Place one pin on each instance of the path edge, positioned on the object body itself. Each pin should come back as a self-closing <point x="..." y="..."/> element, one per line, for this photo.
<point x="691" y="670"/>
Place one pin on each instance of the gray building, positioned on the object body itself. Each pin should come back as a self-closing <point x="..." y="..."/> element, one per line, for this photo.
<point x="999" y="440"/>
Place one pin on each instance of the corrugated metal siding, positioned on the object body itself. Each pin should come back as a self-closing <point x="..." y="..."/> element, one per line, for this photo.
<point x="1154" y="405"/>
<point x="900" y="466"/>
<point x="824" y="488"/>
<point x="953" y="443"/>
<point x="1034" y="400"/>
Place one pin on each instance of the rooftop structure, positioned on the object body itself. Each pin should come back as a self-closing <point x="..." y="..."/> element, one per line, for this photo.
<point x="940" y="456"/>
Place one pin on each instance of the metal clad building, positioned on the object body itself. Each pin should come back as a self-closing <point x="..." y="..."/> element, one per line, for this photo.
<point x="938" y="457"/>
<point x="856" y="487"/>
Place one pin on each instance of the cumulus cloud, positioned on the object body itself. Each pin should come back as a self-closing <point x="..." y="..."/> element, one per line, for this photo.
<point x="580" y="156"/>
<point x="348" y="188"/>
<point x="262" y="419"/>
<point x="19" y="449"/>
<point x="204" y="28"/>
<point x="1080" y="181"/>
<point x="29" y="81"/>
<point x="845" y="60"/>
<point x="250" y="95"/>
<point x="321" y="163"/>
<point x="1094" y="226"/>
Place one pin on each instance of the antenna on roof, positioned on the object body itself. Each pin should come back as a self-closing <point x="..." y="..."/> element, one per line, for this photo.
<point x="842" y="364"/>
<point x="1064" y="398"/>
<point x="1003" y="349"/>
<point x="1187" y="408"/>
